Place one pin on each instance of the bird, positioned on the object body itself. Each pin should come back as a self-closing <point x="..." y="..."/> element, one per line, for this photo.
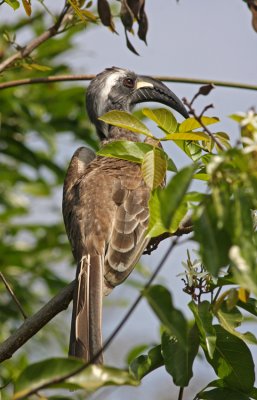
<point x="105" y="205"/>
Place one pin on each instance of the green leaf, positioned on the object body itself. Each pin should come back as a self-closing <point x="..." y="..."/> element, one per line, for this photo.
<point x="223" y="138"/>
<point x="214" y="241"/>
<point x="171" y="165"/>
<point x="38" y="67"/>
<point x="191" y="123"/>
<point x="193" y="150"/>
<point x="13" y="3"/>
<point x="159" y="298"/>
<point x="243" y="254"/>
<point x="237" y="117"/>
<point x="203" y="319"/>
<point x="194" y="197"/>
<point x="232" y="361"/>
<point x="188" y="136"/>
<point x="242" y="224"/>
<point x="155" y="225"/>
<point x="126" y="150"/>
<point x="163" y="118"/>
<point x="230" y="319"/>
<point x="135" y="352"/>
<point x="172" y="196"/>
<point x="222" y="394"/>
<point x="178" y="359"/>
<point x="244" y="265"/>
<point x="145" y="364"/>
<point x="89" y="15"/>
<point x="254" y="393"/>
<point x="125" y="120"/>
<point x="50" y="371"/>
<point x="178" y="216"/>
<point x="250" y="306"/>
<point x="154" y="167"/>
<point x="202" y="176"/>
<point x="84" y="15"/>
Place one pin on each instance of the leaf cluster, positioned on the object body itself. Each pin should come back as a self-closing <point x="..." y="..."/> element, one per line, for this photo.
<point x="83" y="12"/>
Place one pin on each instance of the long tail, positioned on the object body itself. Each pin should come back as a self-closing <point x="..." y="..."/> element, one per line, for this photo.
<point x="86" y="323"/>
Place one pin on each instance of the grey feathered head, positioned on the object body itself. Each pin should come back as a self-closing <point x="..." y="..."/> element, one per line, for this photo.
<point x="121" y="89"/>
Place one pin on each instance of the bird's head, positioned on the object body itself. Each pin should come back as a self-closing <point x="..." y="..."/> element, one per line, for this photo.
<point x="121" y="89"/>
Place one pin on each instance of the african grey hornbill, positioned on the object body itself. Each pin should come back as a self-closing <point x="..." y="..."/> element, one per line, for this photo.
<point x="105" y="205"/>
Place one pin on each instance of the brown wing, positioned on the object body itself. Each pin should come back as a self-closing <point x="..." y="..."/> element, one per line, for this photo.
<point x="128" y="239"/>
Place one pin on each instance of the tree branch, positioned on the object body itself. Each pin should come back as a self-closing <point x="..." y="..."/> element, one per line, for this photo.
<point x="13" y="296"/>
<point x="33" y="324"/>
<point x="185" y="227"/>
<point x="49" y="79"/>
<point x="86" y="77"/>
<point x="36" y="42"/>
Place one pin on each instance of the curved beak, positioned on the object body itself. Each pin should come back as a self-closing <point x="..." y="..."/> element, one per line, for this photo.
<point x="150" y="89"/>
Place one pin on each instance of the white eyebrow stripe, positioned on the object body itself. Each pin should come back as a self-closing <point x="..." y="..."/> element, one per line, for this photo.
<point x="109" y="83"/>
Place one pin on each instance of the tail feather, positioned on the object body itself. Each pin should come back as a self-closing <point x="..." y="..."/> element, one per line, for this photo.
<point x="86" y="324"/>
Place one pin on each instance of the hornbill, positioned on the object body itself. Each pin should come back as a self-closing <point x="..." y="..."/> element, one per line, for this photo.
<point x="105" y="205"/>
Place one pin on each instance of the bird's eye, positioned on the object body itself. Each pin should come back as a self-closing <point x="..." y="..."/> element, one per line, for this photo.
<point x="128" y="82"/>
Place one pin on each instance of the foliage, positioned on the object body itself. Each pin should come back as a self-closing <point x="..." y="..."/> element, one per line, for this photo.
<point x="221" y="282"/>
<point x="58" y="368"/>
<point x="81" y="11"/>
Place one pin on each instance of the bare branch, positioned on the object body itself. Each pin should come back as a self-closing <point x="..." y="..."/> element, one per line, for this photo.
<point x="34" y="43"/>
<point x="199" y="119"/>
<point x="49" y="79"/>
<point x="86" y="77"/>
<point x="203" y="91"/>
<point x="184" y="228"/>
<point x="33" y="324"/>
<point x="13" y="296"/>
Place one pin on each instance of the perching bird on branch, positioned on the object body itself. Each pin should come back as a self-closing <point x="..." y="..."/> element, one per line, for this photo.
<point x="105" y="205"/>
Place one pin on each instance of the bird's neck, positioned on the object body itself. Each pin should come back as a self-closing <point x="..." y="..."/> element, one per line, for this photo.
<point x="116" y="133"/>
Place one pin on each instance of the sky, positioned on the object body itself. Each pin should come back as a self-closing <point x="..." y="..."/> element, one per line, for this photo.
<point x="192" y="39"/>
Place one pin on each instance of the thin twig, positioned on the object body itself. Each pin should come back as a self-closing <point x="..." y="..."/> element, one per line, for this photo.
<point x="118" y="328"/>
<point x="36" y="322"/>
<point x="199" y="119"/>
<point x="86" y="77"/>
<point x="34" y="43"/>
<point x="216" y="295"/>
<point x="205" y="109"/>
<point x="181" y="392"/>
<point x="46" y="8"/>
<point x="13" y="296"/>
